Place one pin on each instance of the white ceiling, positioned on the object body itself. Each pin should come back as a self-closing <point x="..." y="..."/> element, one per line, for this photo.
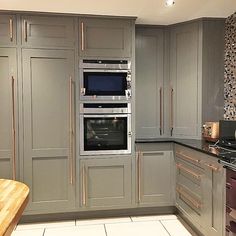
<point x="147" y="11"/>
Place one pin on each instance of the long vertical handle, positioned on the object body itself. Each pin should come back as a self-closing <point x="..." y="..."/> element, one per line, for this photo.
<point x="161" y="125"/>
<point x="13" y="129"/>
<point x="25" y="31"/>
<point x="84" y="186"/>
<point x="11" y="28"/>
<point x="139" y="177"/>
<point x="71" y="132"/>
<point x="82" y="36"/>
<point x="171" y="111"/>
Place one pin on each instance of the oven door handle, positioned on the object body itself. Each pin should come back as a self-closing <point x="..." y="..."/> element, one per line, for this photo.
<point x="107" y="70"/>
<point x="228" y="165"/>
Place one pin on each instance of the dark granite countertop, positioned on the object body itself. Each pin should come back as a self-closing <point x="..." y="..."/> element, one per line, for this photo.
<point x="199" y="145"/>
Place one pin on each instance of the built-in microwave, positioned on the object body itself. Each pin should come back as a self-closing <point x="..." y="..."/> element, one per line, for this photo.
<point x="105" y="80"/>
<point x="105" y="129"/>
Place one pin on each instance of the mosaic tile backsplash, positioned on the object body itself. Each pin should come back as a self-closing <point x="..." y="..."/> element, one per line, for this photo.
<point x="230" y="69"/>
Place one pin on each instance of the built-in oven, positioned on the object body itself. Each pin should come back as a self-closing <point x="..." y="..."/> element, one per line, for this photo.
<point x="105" y="79"/>
<point x="105" y="128"/>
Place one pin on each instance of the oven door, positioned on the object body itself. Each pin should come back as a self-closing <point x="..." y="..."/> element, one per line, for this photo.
<point x="105" y="84"/>
<point x="105" y="134"/>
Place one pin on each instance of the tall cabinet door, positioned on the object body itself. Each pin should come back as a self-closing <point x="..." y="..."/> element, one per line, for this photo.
<point x="149" y="83"/>
<point x="47" y="148"/>
<point x="184" y="80"/>
<point x="8" y="102"/>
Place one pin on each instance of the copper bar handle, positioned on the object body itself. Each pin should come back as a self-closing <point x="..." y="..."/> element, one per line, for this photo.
<point x="84" y="187"/>
<point x="212" y="167"/>
<point x="25" y="31"/>
<point x="189" y="198"/>
<point x="161" y="111"/>
<point x="13" y="129"/>
<point x="181" y="167"/>
<point x="181" y="155"/>
<point x="82" y="36"/>
<point x="11" y="28"/>
<point x="171" y="111"/>
<point x="139" y="177"/>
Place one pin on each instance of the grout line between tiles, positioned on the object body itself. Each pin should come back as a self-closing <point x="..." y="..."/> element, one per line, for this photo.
<point x="105" y="229"/>
<point x="165" y="228"/>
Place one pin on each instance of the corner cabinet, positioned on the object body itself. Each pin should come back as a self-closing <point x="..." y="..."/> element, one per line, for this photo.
<point x="8" y="113"/>
<point x="48" y="120"/>
<point x="155" y="175"/>
<point x="105" y="37"/>
<point x="105" y="183"/>
<point x="149" y="56"/>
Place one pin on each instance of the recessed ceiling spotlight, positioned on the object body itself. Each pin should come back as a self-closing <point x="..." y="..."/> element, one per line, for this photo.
<point x="170" y="3"/>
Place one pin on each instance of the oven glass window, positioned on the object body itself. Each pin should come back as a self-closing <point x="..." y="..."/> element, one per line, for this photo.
<point x="105" y="133"/>
<point x="105" y="83"/>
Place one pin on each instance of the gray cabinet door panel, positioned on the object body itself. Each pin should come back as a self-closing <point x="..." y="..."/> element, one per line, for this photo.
<point x="46" y="76"/>
<point x="108" y="182"/>
<point x="48" y="31"/>
<point x="7" y="30"/>
<point x="156" y="167"/>
<point x="149" y="81"/>
<point x="184" y="79"/>
<point x="8" y="68"/>
<point x="105" y="37"/>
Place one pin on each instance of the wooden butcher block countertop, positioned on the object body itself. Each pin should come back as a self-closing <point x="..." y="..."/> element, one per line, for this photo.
<point x="13" y="200"/>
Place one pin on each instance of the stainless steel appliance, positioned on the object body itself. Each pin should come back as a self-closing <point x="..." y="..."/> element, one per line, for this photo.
<point x="210" y="131"/>
<point x="105" y="128"/>
<point x="229" y="162"/>
<point x="227" y="132"/>
<point x="105" y="80"/>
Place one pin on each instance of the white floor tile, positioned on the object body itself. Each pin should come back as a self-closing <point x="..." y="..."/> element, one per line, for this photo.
<point x="153" y="218"/>
<point x="175" y="228"/>
<point x="136" y="228"/>
<point x="54" y="224"/>
<point x="91" y="230"/>
<point x="103" y="221"/>
<point x="32" y="232"/>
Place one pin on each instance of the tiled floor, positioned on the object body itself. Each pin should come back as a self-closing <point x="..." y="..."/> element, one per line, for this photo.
<point x="165" y="225"/>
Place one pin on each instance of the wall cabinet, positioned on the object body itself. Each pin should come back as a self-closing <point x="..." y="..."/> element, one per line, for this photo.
<point x="149" y="83"/>
<point x="104" y="37"/>
<point x="47" y="31"/>
<point x="8" y="118"/>
<point x="105" y="183"/>
<point x="7" y="30"/>
<point x="152" y="168"/>
<point x="200" y="190"/>
<point x="47" y="151"/>
<point x="196" y="72"/>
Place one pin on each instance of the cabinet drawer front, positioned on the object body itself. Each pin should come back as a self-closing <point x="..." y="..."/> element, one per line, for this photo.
<point x="8" y="30"/>
<point x="47" y="31"/>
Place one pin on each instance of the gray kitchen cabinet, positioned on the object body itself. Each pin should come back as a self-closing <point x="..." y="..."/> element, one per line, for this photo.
<point x="105" y="37"/>
<point x="48" y="129"/>
<point x="7" y="30"/>
<point x="149" y="54"/>
<point x="105" y="183"/>
<point x="200" y="190"/>
<point x="8" y="103"/>
<point x="47" y="31"/>
<point x="152" y="168"/>
<point x="196" y="72"/>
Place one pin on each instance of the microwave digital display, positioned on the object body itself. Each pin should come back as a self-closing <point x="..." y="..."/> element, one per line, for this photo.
<point x="105" y="83"/>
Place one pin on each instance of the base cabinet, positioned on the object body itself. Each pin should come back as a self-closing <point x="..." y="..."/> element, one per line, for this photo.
<point x="155" y="177"/>
<point x="105" y="183"/>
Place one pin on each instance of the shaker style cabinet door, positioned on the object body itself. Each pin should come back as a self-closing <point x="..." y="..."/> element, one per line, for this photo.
<point x="48" y="120"/>
<point x="8" y="113"/>
<point x="105" y="183"/>
<point x="184" y="80"/>
<point x="47" y="31"/>
<point x="155" y="178"/>
<point x="7" y="30"/>
<point x="99" y="37"/>
<point x="149" y="83"/>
